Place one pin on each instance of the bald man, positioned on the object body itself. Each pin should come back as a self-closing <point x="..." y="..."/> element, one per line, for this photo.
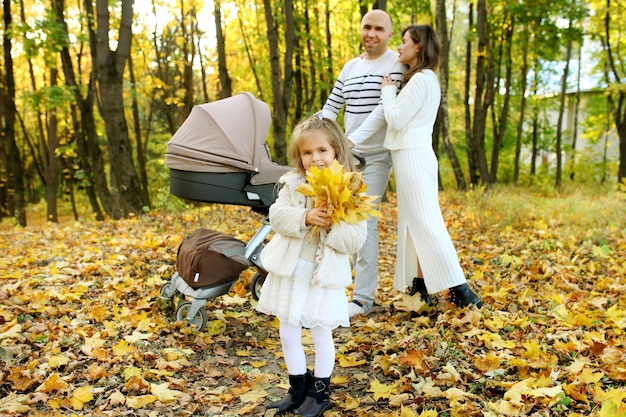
<point x="357" y="92"/>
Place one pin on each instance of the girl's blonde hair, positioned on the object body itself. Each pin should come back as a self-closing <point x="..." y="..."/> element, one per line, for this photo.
<point x="334" y="134"/>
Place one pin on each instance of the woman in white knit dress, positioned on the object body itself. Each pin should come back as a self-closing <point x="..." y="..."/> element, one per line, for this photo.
<point x="425" y="252"/>
<point x="308" y="273"/>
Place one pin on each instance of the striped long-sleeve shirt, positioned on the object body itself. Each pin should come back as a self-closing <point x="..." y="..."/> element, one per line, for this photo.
<point x="358" y="89"/>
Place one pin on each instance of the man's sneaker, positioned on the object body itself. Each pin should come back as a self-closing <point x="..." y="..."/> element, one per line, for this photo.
<point x="357" y="308"/>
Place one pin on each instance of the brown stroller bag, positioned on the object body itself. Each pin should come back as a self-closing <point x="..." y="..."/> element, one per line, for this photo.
<point x="208" y="257"/>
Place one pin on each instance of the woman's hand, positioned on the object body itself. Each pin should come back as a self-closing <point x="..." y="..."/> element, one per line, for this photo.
<point x="387" y="81"/>
<point x="318" y="217"/>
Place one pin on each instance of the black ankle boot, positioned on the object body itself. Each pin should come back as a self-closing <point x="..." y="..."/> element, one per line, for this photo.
<point x="420" y="287"/>
<point x="462" y="296"/>
<point x="317" y="398"/>
<point x="295" y="395"/>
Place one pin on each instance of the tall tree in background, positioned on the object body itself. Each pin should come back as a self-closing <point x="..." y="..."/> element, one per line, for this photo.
<point x="483" y="95"/>
<point x="500" y="116"/>
<point x="226" y="85"/>
<point x="559" y="124"/>
<point x="612" y="66"/>
<point x="189" y="28"/>
<point x="281" y="85"/>
<point x="90" y="156"/>
<point x="109" y="66"/>
<point x="443" y="121"/>
<point x="15" y="199"/>
<point x="523" y="75"/>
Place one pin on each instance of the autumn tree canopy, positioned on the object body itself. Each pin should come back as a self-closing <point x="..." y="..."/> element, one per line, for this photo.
<point x="92" y="90"/>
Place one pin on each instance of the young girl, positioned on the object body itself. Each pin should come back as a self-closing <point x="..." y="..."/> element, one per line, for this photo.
<point x="308" y="274"/>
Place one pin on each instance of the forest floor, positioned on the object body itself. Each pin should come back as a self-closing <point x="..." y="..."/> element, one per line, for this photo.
<point x="81" y="332"/>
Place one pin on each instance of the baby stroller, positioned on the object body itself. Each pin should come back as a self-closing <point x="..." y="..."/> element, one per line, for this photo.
<point x="219" y="155"/>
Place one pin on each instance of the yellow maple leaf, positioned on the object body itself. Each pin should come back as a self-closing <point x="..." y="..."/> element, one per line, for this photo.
<point x="587" y="376"/>
<point x="140" y="401"/>
<point x="455" y="395"/>
<point x="349" y="361"/>
<point x="532" y="349"/>
<point x="487" y="363"/>
<point x="80" y="396"/>
<point x="381" y="390"/>
<point x="15" y="404"/>
<point x="94" y="341"/>
<point x="52" y="383"/>
<point x="123" y="348"/>
<point x="117" y="398"/>
<point x="398" y="400"/>
<point x="173" y="365"/>
<point x="163" y="392"/>
<point x="349" y="403"/>
<point x="57" y="361"/>
<point x="412" y="303"/>
<point x="617" y="316"/>
<point x="171" y="354"/>
<point x="137" y="336"/>
<point x="518" y="390"/>
<point x="11" y="331"/>
<point x="95" y="372"/>
<point x="613" y="403"/>
<point x="130" y="372"/>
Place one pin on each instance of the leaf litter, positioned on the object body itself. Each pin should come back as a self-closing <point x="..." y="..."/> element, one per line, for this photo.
<point x="81" y="332"/>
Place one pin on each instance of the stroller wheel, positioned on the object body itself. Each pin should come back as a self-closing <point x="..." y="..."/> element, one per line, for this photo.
<point x="163" y="301"/>
<point x="199" y="320"/>
<point x="256" y="283"/>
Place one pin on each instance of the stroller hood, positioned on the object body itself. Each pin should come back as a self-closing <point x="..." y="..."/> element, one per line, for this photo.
<point x="224" y="136"/>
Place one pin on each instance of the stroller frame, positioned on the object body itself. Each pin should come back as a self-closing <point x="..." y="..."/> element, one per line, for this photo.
<point x="194" y="311"/>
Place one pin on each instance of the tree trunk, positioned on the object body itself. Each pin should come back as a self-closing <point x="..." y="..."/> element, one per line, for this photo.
<point x="443" y="116"/>
<point x="573" y="155"/>
<point x="13" y="163"/>
<point x="51" y="165"/>
<point x="141" y="149"/>
<point x="109" y="66"/>
<point x="617" y="110"/>
<point x="469" y="136"/>
<point x="226" y="84"/>
<point x="498" y="140"/>
<point x="281" y="88"/>
<point x="559" y="123"/>
<point x="91" y="160"/>
<point x="520" y="124"/>
<point x="483" y="93"/>
<point x="253" y="66"/>
<point x="188" y="54"/>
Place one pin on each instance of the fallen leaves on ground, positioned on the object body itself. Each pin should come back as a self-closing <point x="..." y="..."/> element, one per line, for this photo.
<point x="81" y="332"/>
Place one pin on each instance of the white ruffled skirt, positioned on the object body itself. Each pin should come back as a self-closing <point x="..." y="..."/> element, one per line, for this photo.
<point x="295" y="300"/>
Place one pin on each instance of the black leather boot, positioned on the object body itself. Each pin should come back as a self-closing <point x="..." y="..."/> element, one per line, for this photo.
<point x="295" y="395"/>
<point x="420" y="287"/>
<point x="462" y="296"/>
<point x="317" y="398"/>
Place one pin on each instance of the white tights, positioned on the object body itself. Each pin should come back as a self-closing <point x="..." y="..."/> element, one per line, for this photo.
<point x="291" y="339"/>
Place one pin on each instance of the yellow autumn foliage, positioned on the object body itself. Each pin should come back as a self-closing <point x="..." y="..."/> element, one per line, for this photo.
<point x="342" y="192"/>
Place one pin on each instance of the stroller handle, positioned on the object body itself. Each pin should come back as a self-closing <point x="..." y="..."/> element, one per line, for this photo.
<point x="360" y="160"/>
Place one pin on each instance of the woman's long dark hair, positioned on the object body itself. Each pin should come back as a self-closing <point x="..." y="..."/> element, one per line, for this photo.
<point x="428" y="54"/>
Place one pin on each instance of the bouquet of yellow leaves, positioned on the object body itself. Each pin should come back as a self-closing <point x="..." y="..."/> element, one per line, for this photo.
<point x="341" y="192"/>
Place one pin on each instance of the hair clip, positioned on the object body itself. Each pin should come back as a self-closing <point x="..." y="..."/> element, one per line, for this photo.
<point x="319" y="115"/>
